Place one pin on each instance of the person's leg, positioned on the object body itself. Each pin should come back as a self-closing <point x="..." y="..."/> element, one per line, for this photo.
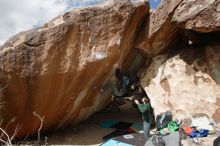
<point x="147" y="130"/>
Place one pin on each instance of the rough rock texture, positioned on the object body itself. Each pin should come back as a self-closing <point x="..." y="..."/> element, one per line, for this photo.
<point x="58" y="69"/>
<point x="198" y="15"/>
<point x="158" y="33"/>
<point x="187" y="82"/>
<point x="184" y="82"/>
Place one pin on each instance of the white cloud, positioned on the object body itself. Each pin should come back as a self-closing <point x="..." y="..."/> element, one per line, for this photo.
<point x="20" y="15"/>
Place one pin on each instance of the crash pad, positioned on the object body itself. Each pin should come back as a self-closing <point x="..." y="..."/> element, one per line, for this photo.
<point x="114" y="143"/>
<point x="135" y="139"/>
<point x="122" y="125"/>
<point x="115" y="134"/>
<point x="173" y="139"/>
<point x="108" y="123"/>
<point x="137" y="127"/>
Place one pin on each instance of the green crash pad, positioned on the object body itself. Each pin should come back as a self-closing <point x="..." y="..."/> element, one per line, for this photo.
<point x="108" y="123"/>
<point x="137" y="127"/>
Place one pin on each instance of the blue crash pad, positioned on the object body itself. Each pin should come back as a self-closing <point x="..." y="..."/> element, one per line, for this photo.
<point x="114" y="143"/>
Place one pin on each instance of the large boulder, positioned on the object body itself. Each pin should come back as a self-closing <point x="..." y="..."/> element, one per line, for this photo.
<point x="198" y="15"/>
<point x="158" y="33"/>
<point x="58" y="69"/>
<point x="186" y="82"/>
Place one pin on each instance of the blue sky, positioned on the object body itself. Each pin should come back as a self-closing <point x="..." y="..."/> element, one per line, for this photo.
<point x="79" y="3"/>
<point x="26" y="14"/>
<point x="154" y="3"/>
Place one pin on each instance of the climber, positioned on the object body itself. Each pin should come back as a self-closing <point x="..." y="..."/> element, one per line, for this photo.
<point x="136" y="91"/>
<point x="118" y="84"/>
<point x="145" y="108"/>
<point x="125" y="85"/>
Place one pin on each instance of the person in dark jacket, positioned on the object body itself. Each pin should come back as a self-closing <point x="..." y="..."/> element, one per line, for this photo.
<point x="145" y="108"/>
<point x="119" y="84"/>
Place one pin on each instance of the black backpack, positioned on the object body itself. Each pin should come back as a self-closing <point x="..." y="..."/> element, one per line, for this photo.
<point x="163" y="120"/>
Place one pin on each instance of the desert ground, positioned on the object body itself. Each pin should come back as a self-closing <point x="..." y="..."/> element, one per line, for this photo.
<point x="89" y="132"/>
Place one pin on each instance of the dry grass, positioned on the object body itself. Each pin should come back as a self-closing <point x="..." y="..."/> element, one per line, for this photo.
<point x="5" y="138"/>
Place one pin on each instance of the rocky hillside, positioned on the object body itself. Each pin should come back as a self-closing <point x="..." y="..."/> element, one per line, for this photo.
<point x="59" y="69"/>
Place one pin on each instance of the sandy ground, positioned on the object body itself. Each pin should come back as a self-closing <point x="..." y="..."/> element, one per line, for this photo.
<point x="89" y="132"/>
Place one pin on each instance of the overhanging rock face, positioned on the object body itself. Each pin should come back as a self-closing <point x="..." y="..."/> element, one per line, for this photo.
<point x="201" y="16"/>
<point x="58" y="69"/>
<point x="158" y="33"/>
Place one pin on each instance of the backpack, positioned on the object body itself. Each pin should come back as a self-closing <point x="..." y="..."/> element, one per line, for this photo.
<point x="163" y="120"/>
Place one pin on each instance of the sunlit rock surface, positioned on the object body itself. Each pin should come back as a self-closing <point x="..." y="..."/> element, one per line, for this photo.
<point x="58" y="70"/>
<point x="198" y="15"/>
<point x="186" y="82"/>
